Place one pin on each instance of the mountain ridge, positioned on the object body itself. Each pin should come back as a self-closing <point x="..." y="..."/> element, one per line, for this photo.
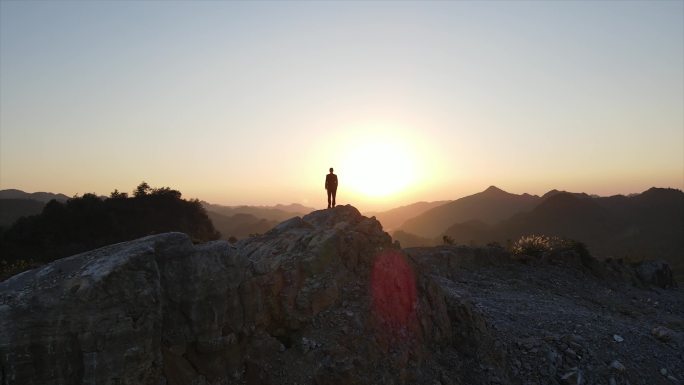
<point x="488" y="206"/>
<point x="38" y="196"/>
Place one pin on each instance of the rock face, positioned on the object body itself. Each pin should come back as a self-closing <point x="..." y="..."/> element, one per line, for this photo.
<point x="329" y="299"/>
<point x="316" y="300"/>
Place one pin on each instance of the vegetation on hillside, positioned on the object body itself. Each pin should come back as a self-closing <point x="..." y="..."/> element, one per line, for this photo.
<point x="87" y="222"/>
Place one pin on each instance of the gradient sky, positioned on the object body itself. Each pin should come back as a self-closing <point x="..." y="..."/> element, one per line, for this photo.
<point x="251" y="102"/>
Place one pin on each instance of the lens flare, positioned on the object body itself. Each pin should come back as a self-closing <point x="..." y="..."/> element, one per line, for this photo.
<point x="393" y="289"/>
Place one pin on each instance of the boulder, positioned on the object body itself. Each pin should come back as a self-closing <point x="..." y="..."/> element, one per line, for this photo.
<point x="162" y="310"/>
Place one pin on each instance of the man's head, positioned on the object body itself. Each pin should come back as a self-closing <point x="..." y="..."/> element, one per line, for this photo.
<point x="331" y="170"/>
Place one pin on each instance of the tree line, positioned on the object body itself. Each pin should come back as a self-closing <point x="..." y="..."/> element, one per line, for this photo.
<point x="87" y="222"/>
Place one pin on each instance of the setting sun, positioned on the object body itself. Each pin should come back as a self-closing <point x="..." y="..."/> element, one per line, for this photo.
<point x="377" y="167"/>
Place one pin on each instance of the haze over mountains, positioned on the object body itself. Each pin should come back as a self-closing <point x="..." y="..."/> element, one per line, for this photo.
<point x="38" y="196"/>
<point x="241" y="221"/>
<point x="646" y="225"/>
<point x="489" y="206"/>
<point x="231" y="221"/>
<point x="393" y="218"/>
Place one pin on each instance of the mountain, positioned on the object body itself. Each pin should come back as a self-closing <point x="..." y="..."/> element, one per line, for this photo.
<point x="411" y="240"/>
<point x="240" y="225"/>
<point x="276" y="213"/>
<point x="394" y="218"/>
<point x="648" y="225"/>
<point x="329" y="299"/>
<point x="38" y="196"/>
<point x="293" y="208"/>
<point x="242" y="221"/>
<point x="565" y="214"/>
<point x="489" y="206"/>
<point x="236" y="221"/>
<point x="13" y="209"/>
<point x="15" y="204"/>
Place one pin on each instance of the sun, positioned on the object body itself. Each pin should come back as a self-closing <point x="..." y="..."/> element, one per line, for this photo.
<point x="378" y="168"/>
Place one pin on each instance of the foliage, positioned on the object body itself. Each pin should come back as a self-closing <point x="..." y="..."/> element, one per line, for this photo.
<point x="87" y="222"/>
<point x="536" y="245"/>
<point x="118" y="195"/>
<point x="533" y="245"/>
<point x="141" y="190"/>
<point x="447" y="240"/>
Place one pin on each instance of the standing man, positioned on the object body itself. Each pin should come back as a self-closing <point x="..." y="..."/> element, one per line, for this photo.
<point x="331" y="186"/>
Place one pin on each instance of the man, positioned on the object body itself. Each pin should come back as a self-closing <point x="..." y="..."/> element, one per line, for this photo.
<point x="331" y="186"/>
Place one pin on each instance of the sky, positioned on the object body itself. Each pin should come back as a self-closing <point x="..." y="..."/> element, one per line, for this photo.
<point x="252" y="102"/>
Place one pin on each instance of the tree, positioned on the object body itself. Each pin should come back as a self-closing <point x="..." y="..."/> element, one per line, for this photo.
<point x="166" y="192"/>
<point x="142" y="190"/>
<point x="118" y="195"/>
<point x="87" y="222"/>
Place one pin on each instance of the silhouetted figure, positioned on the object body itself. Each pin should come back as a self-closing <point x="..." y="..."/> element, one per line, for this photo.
<point x="331" y="186"/>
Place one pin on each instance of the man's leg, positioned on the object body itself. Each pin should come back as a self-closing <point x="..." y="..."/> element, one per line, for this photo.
<point x="329" y="193"/>
<point x="334" y="194"/>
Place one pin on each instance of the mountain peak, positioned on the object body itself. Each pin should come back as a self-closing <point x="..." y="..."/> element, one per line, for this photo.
<point x="494" y="190"/>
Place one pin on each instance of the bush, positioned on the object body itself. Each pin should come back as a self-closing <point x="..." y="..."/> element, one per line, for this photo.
<point x="535" y="245"/>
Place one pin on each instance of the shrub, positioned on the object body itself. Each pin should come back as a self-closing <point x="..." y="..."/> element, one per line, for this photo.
<point x="535" y="245"/>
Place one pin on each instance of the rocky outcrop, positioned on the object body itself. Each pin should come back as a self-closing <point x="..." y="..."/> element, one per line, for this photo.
<point x="329" y="299"/>
<point x="325" y="298"/>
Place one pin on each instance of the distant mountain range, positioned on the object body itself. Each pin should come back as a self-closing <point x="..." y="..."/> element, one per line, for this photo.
<point x="276" y="213"/>
<point x="241" y="221"/>
<point x="15" y="204"/>
<point x="240" y="226"/>
<point x="394" y="218"/>
<point x="489" y="206"/>
<point x="650" y="224"/>
<point x="44" y="197"/>
<point x="230" y="221"/>
<point x="646" y="225"/>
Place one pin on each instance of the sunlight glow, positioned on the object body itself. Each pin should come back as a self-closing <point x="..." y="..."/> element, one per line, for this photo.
<point x="378" y="168"/>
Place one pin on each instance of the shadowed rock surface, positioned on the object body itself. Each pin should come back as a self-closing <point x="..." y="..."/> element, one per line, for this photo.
<point x="291" y="306"/>
<point x="329" y="299"/>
